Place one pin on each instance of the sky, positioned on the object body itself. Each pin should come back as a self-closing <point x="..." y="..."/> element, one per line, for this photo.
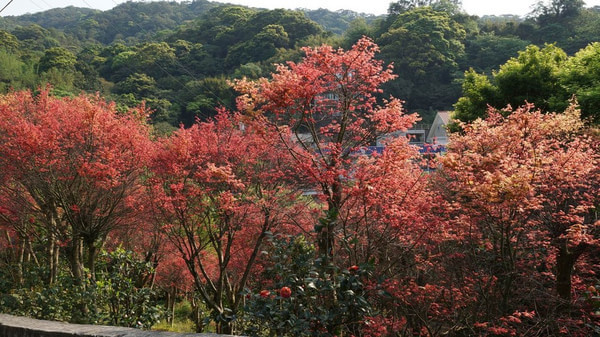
<point x="476" y="7"/>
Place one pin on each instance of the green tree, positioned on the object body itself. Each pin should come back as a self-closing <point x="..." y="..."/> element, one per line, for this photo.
<point x="565" y="22"/>
<point x="152" y="54"/>
<point x="241" y="35"/>
<point x="195" y="59"/>
<point x="261" y="47"/>
<point x="88" y="77"/>
<point x="478" y="92"/>
<point x="8" y="40"/>
<point x="140" y="85"/>
<point x="295" y="23"/>
<point x="57" y="67"/>
<point x="356" y="30"/>
<point x="249" y="70"/>
<point x="580" y="75"/>
<point x="487" y="51"/>
<point x="14" y="73"/>
<point x="553" y="10"/>
<point x="427" y="45"/>
<point x="121" y="65"/>
<point x="402" y="6"/>
<point x="202" y="97"/>
<point x="215" y="27"/>
<point x="31" y="32"/>
<point x="59" y="58"/>
<point x="337" y="22"/>
<point x="585" y="31"/>
<point x="35" y="37"/>
<point x="533" y="76"/>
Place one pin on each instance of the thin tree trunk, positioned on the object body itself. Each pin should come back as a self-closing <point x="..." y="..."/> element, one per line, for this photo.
<point x="31" y="253"/>
<point x="91" y="258"/>
<point x="55" y="256"/>
<point x="224" y="328"/>
<point x="20" y="260"/>
<point x="197" y="315"/>
<point x="75" y="254"/>
<point x="52" y="266"/>
<point x="171" y="306"/>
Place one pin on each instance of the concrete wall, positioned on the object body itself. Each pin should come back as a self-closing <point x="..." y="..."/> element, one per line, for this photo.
<point x="13" y="326"/>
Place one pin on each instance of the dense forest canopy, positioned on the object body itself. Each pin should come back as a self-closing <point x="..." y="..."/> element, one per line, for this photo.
<point x="179" y="56"/>
<point x="212" y="165"/>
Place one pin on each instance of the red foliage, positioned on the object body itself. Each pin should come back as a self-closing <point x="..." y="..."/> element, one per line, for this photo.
<point x="75" y="162"/>
<point x="173" y="273"/>
<point x="218" y="188"/>
<point x="524" y="188"/>
<point x="328" y="104"/>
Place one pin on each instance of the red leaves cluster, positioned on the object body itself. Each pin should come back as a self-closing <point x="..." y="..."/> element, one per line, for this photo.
<point x="73" y="162"/>
<point x="328" y="102"/>
<point x="525" y="188"/>
<point x="218" y="189"/>
<point x="501" y="240"/>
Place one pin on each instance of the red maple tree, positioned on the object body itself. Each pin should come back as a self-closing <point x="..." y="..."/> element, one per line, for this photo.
<point x="76" y="164"/>
<point x="220" y="187"/>
<point x="524" y="187"/>
<point x="327" y="104"/>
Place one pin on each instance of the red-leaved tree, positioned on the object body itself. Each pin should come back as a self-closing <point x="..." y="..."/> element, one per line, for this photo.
<point x="524" y="188"/>
<point x="219" y="188"/>
<point x="328" y="102"/>
<point x="74" y="165"/>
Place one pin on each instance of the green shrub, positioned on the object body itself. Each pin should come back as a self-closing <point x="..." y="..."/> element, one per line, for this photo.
<point x="307" y="298"/>
<point x="117" y="296"/>
<point x="183" y="310"/>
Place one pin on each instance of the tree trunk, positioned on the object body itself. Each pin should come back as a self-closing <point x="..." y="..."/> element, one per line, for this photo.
<point x="224" y="328"/>
<point x="171" y="293"/>
<point x="327" y="247"/>
<point x="91" y="258"/>
<point x="564" y="267"/>
<point x="52" y="224"/>
<point x="55" y="255"/>
<point x="52" y="268"/>
<point x="20" y="260"/>
<point x="197" y="315"/>
<point x="325" y="234"/>
<point x="565" y="261"/>
<point x="75" y="257"/>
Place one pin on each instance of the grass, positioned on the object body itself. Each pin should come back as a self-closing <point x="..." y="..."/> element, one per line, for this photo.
<point x="178" y="326"/>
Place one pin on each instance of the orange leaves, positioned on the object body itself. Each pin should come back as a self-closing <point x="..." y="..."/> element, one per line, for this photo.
<point x="80" y="136"/>
<point x="516" y="161"/>
<point x="526" y="184"/>
<point x="222" y="184"/>
<point x="325" y="109"/>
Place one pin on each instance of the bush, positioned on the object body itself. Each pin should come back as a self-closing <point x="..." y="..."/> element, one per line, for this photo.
<point x="117" y="296"/>
<point x="183" y="311"/>
<point x="307" y="298"/>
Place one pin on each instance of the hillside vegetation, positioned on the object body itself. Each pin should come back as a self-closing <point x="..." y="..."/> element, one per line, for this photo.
<point x="178" y="57"/>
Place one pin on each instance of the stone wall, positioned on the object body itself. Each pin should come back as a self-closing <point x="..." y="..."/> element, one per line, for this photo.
<point x="13" y="326"/>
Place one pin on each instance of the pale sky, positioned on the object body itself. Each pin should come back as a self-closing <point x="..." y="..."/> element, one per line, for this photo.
<point x="477" y="7"/>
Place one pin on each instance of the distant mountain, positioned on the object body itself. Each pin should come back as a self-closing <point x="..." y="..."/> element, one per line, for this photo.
<point x="128" y="21"/>
<point x="58" y="18"/>
<point x="132" y="22"/>
<point x="337" y="22"/>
